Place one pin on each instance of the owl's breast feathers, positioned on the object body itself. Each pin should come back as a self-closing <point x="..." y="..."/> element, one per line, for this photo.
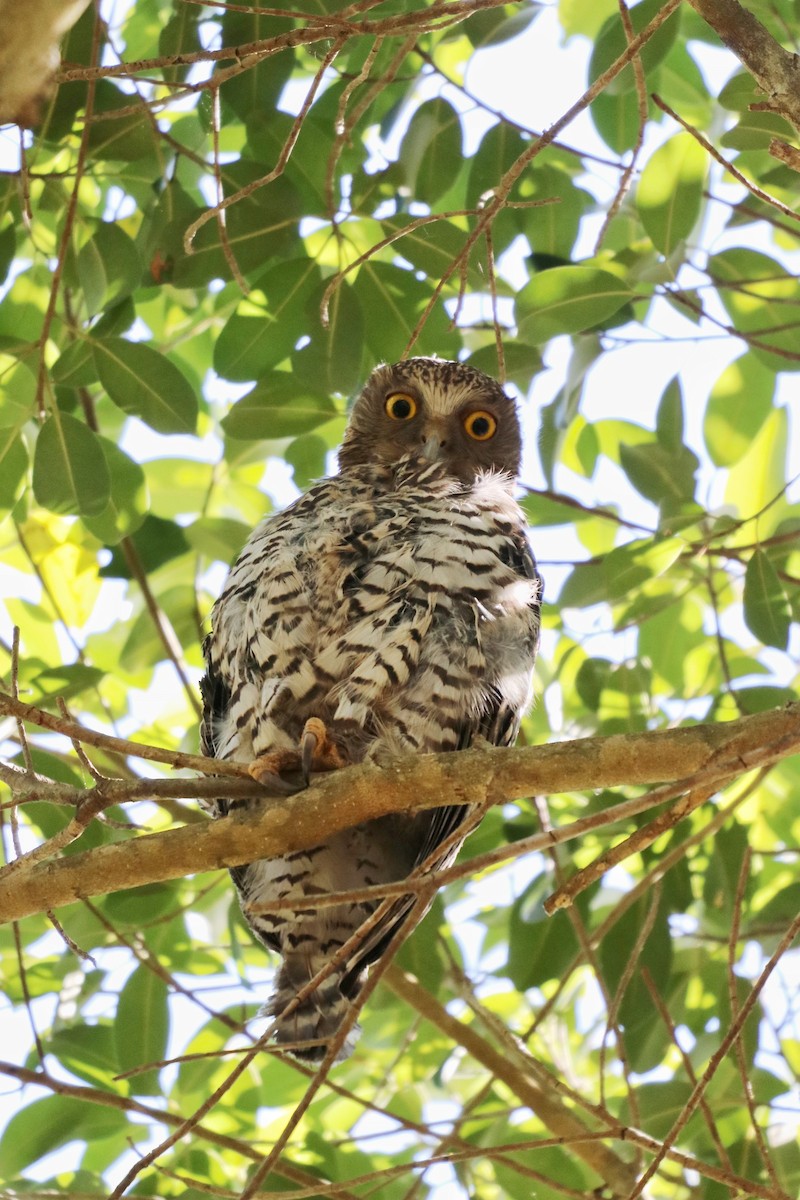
<point x="397" y="604"/>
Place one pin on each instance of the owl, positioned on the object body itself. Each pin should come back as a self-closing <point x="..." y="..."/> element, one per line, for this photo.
<point x="391" y="610"/>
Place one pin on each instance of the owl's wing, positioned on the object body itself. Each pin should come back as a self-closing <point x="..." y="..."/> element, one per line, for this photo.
<point x="499" y="722"/>
<point x="499" y="725"/>
<point x="216" y="697"/>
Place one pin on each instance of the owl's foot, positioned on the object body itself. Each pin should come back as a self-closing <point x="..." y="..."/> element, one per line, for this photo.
<point x="317" y="750"/>
<point x="267" y="769"/>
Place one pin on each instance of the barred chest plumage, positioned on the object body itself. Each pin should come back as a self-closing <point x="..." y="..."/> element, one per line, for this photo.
<point x="396" y="601"/>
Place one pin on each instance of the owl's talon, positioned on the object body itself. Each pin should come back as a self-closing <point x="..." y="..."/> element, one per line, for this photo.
<point x="317" y="750"/>
<point x="266" y="771"/>
<point x="308" y="747"/>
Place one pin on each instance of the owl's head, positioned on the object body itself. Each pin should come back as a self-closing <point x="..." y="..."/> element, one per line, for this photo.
<point x="435" y="409"/>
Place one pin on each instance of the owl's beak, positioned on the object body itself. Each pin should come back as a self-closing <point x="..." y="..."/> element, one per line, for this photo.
<point x="432" y="447"/>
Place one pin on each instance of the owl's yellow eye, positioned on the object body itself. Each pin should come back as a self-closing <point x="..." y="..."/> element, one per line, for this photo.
<point x="480" y="425"/>
<point x="401" y="407"/>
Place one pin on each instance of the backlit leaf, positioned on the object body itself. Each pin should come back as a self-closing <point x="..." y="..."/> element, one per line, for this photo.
<point x="567" y="300"/>
<point x="70" y="474"/>
<point x="766" y="606"/>
<point x="739" y="404"/>
<point x="141" y="1027"/>
<point x="145" y="384"/>
<point x="670" y="191"/>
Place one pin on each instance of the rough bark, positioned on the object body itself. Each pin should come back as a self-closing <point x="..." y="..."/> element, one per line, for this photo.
<point x="30" y="31"/>
<point x="775" y="70"/>
<point x="346" y="798"/>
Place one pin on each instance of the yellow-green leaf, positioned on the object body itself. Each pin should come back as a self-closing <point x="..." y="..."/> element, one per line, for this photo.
<point x="766" y="605"/>
<point x="670" y="192"/>
<point x="568" y="300"/>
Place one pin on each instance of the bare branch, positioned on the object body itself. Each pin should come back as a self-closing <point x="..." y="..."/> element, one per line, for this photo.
<point x="9" y="706"/>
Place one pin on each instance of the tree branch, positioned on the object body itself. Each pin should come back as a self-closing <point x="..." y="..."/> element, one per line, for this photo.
<point x="10" y="706"/>
<point x="775" y="70"/>
<point x="362" y="793"/>
<point x="29" y="54"/>
<point x="618" y="1175"/>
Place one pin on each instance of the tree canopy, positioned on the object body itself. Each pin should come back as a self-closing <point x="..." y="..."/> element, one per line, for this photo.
<point x="222" y="217"/>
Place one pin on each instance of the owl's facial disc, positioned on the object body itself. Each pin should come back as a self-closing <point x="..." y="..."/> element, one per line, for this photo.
<point x="435" y="411"/>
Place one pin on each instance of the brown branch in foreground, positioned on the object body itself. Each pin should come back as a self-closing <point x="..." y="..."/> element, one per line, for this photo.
<point x="346" y="798"/>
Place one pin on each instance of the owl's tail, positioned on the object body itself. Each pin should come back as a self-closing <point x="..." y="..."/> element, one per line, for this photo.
<point x="316" y="1018"/>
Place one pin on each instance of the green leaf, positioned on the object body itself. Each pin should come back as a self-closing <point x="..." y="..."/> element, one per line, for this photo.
<point x="522" y="363"/>
<point x="70" y="679"/>
<point x="739" y="404"/>
<point x="75" y="367"/>
<point x="662" y="475"/>
<point x="267" y="325"/>
<point x="143" y="646"/>
<point x="44" y="1125"/>
<point x="763" y="301"/>
<point x="88" y="1051"/>
<point x="552" y="228"/>
<point x="141" y="1028"/>
<point x="145" y="384"/>
<point x="179" y="36"/>
<point x="669" y="418"/>
<point x="335" y="358"/>
<point x="766" y="605"/>
<point x="756" y="481"/>
<point x="567" y="300"/>
<point x="611" y="42"/>
<point x="307" y="456"/>
<point x="670" y="192"/>
<point x="13" y="466"/>
<point x="156" y="542"/>
<point x="540" y="947"/>
<point x="8" y="244"/>
<point x="113" y="135"/>
<point x="277" y="407"/>
<point x="219" y="538"/>
<point x="432" y="144"/>
<point x="667" y="638"/>
<point x="615" y="112"/>
<point x="258" y="228"/>
<point x="619" y="572"/>
<point x="108" y="267"/>
<point x="127" y="502"/>
<point x="70" y="474"/>
<point x="392" y="301"/>
<point x="259" y="87"/>
<point x="17" y="393"/>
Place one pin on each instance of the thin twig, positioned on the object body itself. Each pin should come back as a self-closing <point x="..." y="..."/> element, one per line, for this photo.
<point x="106" y="741"/>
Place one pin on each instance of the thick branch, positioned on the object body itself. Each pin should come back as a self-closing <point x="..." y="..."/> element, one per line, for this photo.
<point x="29" y="54"/>
<point x="346" y="798"/>
<point x="775" y="70"/>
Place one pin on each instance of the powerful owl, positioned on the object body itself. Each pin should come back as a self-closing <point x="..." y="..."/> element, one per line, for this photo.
<point x="393" y="609"/>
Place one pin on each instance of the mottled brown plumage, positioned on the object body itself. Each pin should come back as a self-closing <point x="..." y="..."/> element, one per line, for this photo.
<point x="397" y="603"/>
